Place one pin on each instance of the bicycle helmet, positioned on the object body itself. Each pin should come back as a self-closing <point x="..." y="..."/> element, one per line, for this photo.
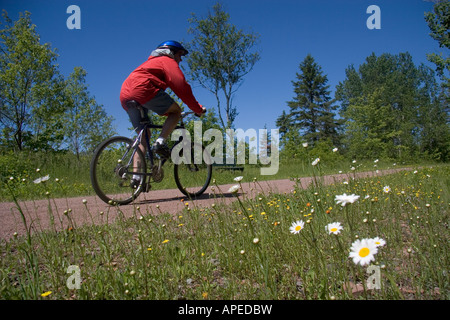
<point x="175" y="46"/>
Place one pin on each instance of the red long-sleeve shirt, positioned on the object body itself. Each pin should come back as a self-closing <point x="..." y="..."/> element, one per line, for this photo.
<point x="153" y="75"/>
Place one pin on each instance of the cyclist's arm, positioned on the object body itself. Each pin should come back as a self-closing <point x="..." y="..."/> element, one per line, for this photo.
<point x="176" y="81"/>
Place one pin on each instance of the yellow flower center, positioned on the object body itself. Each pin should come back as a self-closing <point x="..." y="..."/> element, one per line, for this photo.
<point x="298" y="228"/>
<point x="333" y="230"/>
<point x="364" y="252"/>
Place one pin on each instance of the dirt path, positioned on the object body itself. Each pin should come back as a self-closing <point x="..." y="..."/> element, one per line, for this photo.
<point x="38" y="212"/>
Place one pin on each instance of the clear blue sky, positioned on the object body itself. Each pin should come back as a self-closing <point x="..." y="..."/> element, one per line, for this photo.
<point x="118" y="35"/>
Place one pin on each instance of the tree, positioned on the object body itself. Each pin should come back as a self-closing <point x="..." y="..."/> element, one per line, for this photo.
<point x="350" y="88"/>
<point x="433" y="129"/>
<point x="367" y="128"/>
<point x="312" y="109"/>
<point x="39" y="109"/>
<point x="284" y="123"/>
<point x="29" y="85"/>
<point x="387" y="104"/>
<point x="265" y="143"/>
<point x="220" y="56"/>
<point x="86" y="123"/>
<point x="439" y="23"/>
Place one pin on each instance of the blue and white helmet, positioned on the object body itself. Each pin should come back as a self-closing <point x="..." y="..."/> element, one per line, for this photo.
<point x="175" y="46"/>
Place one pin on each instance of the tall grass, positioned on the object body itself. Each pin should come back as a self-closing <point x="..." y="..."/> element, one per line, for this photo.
<point x="246" y="250"/>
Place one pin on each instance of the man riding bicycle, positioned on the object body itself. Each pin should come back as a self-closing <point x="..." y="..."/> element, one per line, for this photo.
<point x="146" y="86"/>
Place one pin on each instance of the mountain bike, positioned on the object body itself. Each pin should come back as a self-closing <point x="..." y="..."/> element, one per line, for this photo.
<point x="120" y="171"/>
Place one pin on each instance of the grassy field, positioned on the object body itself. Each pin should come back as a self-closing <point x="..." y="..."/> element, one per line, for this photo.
<point x="251" y="249"/>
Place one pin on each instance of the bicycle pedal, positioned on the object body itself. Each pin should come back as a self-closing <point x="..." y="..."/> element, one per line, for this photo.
<point x="146" y="187"/>
<point x="157" y="173"/>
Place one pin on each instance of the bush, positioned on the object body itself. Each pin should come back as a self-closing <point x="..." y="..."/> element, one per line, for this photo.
<point x="17" y="165"/>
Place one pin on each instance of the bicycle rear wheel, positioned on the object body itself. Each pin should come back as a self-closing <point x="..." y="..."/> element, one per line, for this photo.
<point x="112" y="168"/>
<point x="193" y="177"/>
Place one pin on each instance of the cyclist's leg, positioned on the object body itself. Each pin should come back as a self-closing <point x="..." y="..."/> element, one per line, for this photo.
<point x="173" y="116"/>
<point x="135" y="118"/>
<point x="164" y="105"/>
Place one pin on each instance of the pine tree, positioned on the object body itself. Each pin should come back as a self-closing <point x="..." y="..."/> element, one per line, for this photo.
<point x="284" y="123"/>
<point x="312" y="108"/>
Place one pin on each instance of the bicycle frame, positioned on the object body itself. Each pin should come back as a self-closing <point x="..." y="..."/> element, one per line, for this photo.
<point x="145" y="131"/>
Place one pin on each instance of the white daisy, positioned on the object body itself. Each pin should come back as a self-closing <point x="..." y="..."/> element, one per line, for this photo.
<point x="379" y="242"/>
<point x="387" y="189"/>
<point x="345" y="199"/>
<point x="363" y="251"/>
<point x="43" y="179"/>
<point x="335" y="149"/>
<point x="315" y="162"/>
<point x="238" y="179"/>
<point x="234" y="189"/>
<point x="305" y="144"/>
<point x="296" y="227"/>
<point x="334" y="227"/>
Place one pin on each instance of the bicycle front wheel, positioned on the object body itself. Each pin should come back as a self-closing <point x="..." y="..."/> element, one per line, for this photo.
<point x="193" y="176"/>
<point x="114" y="169"/>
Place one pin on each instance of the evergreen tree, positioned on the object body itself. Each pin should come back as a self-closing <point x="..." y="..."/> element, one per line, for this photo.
<point x="265" y="142"/>
<point x="312" y="109"/>
<point x="283" y="123"/>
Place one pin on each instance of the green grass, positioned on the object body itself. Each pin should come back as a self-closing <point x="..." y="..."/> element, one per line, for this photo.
<point x="21" y="169"/>
<point x="246" y="250"/>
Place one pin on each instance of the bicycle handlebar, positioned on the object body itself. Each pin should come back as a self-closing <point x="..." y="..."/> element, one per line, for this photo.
<point x="186" y="113"/>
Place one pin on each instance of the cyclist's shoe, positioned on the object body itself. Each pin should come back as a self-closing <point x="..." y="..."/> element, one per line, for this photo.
<point x="162" y="150"/>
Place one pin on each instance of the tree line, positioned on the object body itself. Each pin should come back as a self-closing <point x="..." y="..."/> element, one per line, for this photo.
<point x="40" y="110"/>
<point x="387" y="107"/>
